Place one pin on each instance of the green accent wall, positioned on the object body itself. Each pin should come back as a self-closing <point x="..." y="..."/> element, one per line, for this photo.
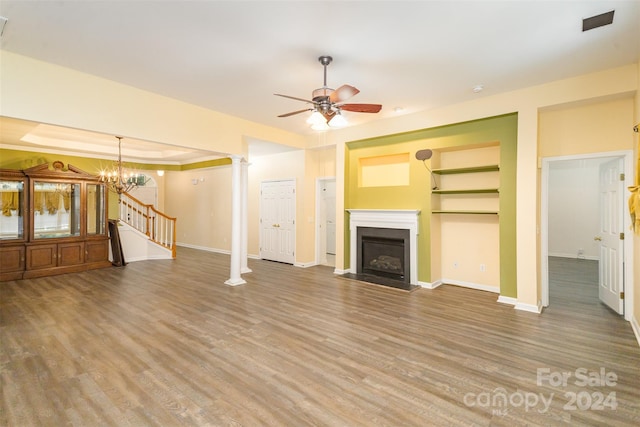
<point x="416" y="195"/>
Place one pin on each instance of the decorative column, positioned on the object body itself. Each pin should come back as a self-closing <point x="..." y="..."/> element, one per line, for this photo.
<point x="244" y="267"/>
<point x="236" y="222"/>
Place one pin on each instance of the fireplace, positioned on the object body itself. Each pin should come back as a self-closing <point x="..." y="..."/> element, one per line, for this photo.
<point x="384" y="252"/>
<point x="384" y="245"/>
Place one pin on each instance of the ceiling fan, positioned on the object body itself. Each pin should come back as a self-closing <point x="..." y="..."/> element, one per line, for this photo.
<point x="328" y="103"/>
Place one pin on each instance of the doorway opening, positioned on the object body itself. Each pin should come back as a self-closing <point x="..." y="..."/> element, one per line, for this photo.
<point x="326" y="221"/>
<point x="583" y="220"/>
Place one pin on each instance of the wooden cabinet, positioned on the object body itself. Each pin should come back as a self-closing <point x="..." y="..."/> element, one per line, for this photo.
<point x="12" y="262"/>
<point x="96" y="251"/>
<point x="42" y="256"/>
<point x="52" y="221"/>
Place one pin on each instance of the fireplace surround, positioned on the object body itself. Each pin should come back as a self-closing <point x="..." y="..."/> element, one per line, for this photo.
<point x="395" y="227"/>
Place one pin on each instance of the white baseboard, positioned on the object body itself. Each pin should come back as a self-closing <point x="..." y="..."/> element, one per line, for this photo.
<point x="529" y="307"/>
<point x="470" y="285"/>
<point x="147" y="258"/>
<point x="431" y="285"/>
<point x="340" y="271"/>
<point x="215" y="250"/>
<point x="636" y="328"/>
<point x="507" y="300"/>
<point x="304" y="264"/>
<point x="205" y="248"/>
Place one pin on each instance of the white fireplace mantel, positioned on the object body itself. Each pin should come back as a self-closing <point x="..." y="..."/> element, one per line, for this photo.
<point x="404" y="219"/>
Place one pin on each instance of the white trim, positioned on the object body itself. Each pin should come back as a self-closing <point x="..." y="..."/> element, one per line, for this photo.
<point x="235" y="282"/>
<point x="216" y="250"/>
<point x="627" y="155"/>
<point x="507" y="300"/>
<point x="470" y="285"/>
<point x="340" y="271"/>
<point x="403" y="219"/>
<point x="146" y="258"/>
<point x="428" y="285"/>
<point x="529" y="307"/>
<point x="205" y="248"/>
<point x="304" y="264"/>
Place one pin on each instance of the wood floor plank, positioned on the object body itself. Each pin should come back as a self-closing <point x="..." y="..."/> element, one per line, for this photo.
<point x="166" y="343"/>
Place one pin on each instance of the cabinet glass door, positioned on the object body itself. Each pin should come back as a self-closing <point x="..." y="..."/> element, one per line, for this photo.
<point x="56" y="210"/>
<point x="96" y="202"/>
<point x="11" y="210"/>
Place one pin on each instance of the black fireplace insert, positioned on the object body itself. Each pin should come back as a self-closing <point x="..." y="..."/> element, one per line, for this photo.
<point x="384" y="252"/>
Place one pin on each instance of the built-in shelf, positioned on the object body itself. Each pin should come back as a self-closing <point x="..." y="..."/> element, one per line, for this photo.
<point x="462" y="191"/>
<point x="473" y="169"/>
<point x="467" y="191"/>
<point x="466" y="212"/>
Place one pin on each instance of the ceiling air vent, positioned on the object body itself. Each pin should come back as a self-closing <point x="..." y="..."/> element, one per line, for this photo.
<point x="597" y="21"/>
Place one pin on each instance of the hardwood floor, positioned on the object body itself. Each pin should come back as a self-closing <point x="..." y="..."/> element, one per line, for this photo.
<point x="166" y="343"/>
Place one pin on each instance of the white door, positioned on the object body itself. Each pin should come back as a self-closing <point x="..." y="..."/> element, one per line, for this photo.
<point x="277" y="221"/>
<point x="330" y="221"/>
<point x="611" y="281"/>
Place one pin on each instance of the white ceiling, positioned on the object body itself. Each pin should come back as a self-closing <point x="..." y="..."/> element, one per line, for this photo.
<point x="232" y="56"/>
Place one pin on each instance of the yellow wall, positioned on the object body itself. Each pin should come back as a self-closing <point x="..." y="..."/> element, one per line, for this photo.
<point x="202" y="209"/>
<point x="597" y="126"/>
<point x="319" y="163"/>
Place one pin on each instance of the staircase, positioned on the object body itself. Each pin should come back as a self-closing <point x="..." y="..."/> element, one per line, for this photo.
<point x="146" y="233"/>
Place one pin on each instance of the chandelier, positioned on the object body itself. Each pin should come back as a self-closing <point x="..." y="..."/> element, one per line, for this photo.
<point x="118" y="180"/>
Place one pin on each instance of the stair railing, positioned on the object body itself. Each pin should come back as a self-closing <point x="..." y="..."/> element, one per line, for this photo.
<point x="145" y="218"/>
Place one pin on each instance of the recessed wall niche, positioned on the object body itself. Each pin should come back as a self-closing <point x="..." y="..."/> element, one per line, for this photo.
<point x="384" y="171"/>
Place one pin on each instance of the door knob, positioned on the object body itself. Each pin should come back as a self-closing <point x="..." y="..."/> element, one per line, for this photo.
<point x="598" y="238"/>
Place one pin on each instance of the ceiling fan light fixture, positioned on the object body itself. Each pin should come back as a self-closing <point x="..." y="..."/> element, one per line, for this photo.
<point x="316" y="118"/>
<point x="321" y="93"/>
<point x="327" y="103"/>
<point x="338" y="121"/>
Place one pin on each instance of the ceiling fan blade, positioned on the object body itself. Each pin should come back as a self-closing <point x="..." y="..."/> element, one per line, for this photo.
<point x="343" y="93"/>
<point x="295" y="112"/>
<point x="361" y="108"/>
<point x="293" y="97"/>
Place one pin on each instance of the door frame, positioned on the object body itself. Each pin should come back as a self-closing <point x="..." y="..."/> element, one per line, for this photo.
<point x="320" y="234"/>
<point x="295" y="215"/>
<point x="546" y="162"/>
